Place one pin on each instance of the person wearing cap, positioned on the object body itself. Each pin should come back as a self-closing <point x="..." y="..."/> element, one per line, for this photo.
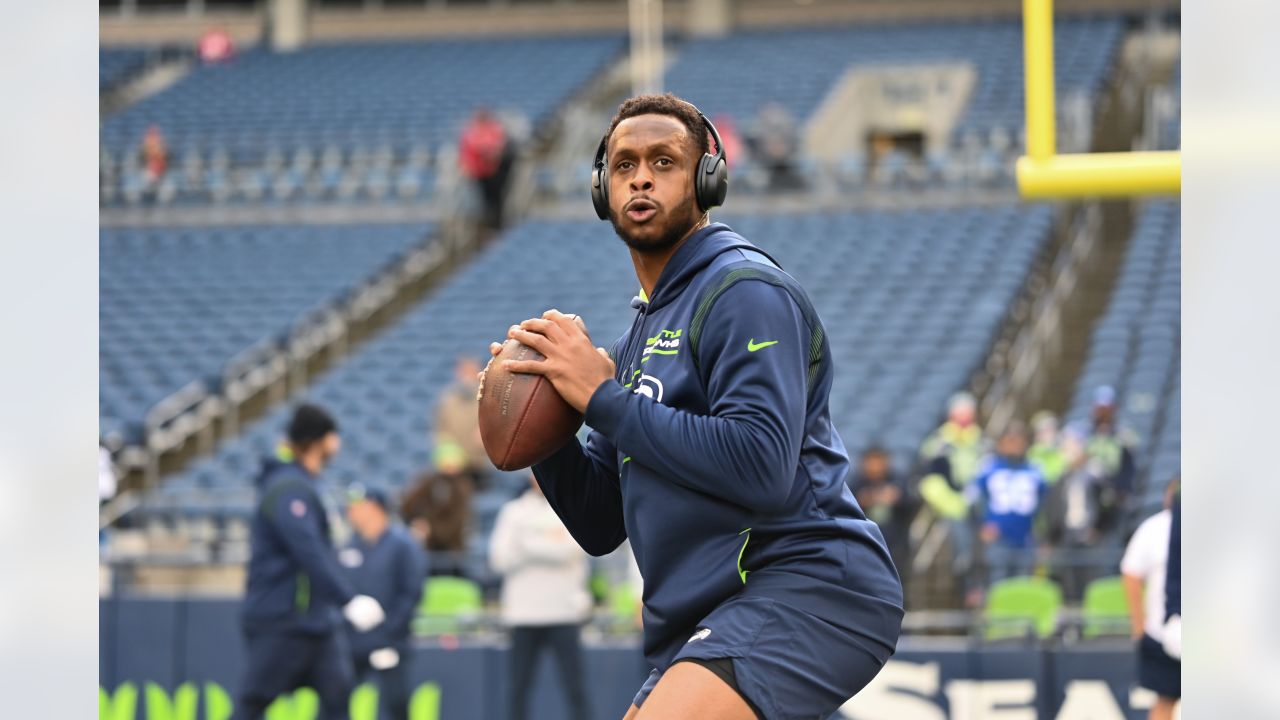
<point x="297" y="593"/>
<point x="384" y="562"/>
<point x="951" y="456"/>
<point x="1110" y="449"/>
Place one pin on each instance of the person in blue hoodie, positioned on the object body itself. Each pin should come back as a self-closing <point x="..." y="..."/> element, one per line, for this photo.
<point x="767" y="591"/>
<point x="385" y="562"/>
<point x="296" y="594"/>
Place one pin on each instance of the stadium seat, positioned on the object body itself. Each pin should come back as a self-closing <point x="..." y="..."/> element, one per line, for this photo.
<point x="1021" y="604"/>
<point x="447" y="604"/>
<point x="1106" y="608"/>
<point x="176" y="304"/>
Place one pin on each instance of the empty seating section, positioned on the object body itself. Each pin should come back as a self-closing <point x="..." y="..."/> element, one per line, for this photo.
<point x="1136" y="348"/>
<point x="351" y="95"/>
<point x="175" y="304"/>
<point x="117" y="65"/>
<point x="739" y="74"/>
<point x="911" y="301"/>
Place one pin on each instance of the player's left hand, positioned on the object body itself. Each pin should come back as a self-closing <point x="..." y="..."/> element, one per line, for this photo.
<point x="573" y="365"/>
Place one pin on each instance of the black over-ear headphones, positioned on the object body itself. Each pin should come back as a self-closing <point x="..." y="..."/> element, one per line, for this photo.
<point x="710" y="184"/>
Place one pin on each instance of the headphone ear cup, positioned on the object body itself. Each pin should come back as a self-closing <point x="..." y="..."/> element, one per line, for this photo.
<point x="600" y="191"/>
<point x="713" y="182"/>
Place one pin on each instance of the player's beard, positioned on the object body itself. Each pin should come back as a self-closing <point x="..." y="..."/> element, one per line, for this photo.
<point x="678" y="223"/>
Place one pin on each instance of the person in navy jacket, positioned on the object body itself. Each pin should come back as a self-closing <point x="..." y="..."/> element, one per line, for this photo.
<point x="296" y="594"/>
<point x="767" y="591"/>
<point x="384" y="562"/>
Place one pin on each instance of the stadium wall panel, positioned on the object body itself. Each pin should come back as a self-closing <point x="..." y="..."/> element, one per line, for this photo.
<point x="170" y="642"/>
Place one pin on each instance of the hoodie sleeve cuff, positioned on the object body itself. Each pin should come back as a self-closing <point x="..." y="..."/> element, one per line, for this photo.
<point x="606" y="406"/>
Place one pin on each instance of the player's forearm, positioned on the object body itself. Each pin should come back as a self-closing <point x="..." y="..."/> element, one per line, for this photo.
<point x="748" y="462"/>
<point x="585" y="496"/>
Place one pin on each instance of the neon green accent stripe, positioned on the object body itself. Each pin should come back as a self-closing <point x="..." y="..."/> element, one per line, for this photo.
<point x="643" y="360"/>
<point x="743" y="573"/>
<point x="626" y="460"/>
<point x="651" y="340"/>
<point x="302" y="597"/>
<point x="656" y="351"/>
<point x="644" y="296"/>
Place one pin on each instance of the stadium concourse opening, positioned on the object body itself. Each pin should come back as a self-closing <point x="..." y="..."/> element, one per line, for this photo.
<point x="306" y="215"/>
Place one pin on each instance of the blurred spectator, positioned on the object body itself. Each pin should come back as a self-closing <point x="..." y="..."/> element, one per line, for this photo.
<point x="1110" y="449"/>
<point x="1144" y="570"/>
<point x="544" y="596"/>
<point x="385" y="563"/>
<point x="215" y="47"/>
<point x="882" y="495"/>
<point x="486" y="156"/>
<point x="155" y="156"/>
<point x="775" y="142"/>
<point x="1073" y="511"/>
<point x="734" y="150"/>
<point x="951" y="456"/>
<point x="457" y="419"/>
<point x="438" y="509"/>
<point x="1045" y="452"/>
<point x="1010" y="490"/>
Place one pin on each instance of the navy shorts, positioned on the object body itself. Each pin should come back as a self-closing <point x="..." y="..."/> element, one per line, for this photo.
<point x="787" y="662"/>
<point x="1157" y="671"/>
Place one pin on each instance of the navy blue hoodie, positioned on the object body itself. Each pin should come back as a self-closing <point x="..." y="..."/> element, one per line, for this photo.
<point x="392" y="570"/>
<point x="714" y="452"/>
<point x="295" y="584"/>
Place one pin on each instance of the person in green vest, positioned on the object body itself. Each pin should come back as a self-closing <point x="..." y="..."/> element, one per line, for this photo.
<point x="1046" y="452"/>
<point x="950" y="456"/>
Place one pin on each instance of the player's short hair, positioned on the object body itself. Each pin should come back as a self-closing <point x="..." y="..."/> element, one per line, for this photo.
<point x="665" y="104"/>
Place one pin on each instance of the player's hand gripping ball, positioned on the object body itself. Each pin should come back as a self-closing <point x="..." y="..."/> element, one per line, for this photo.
<point x="524" y="417"/>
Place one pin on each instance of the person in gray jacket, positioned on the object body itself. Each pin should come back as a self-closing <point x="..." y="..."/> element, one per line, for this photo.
<point x="544" y="596"/>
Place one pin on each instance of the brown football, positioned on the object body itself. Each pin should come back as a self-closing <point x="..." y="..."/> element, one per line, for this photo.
<point x="522" y="417"/>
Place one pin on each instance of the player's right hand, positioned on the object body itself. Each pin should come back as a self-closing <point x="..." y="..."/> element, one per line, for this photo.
<point x="364" y="612"/>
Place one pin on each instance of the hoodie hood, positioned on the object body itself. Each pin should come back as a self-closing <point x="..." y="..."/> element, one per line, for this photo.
<point x="269" y="467"/>
<point x="695" y="254"/>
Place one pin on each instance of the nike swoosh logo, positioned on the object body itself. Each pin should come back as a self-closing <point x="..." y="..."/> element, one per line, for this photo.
<point x="753" y="346"/>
